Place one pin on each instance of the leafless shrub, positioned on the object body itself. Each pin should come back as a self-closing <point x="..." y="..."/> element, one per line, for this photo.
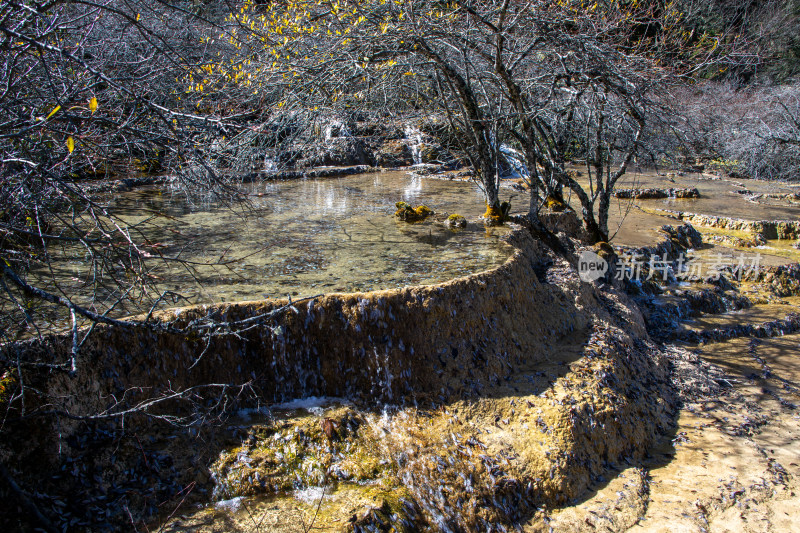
<point x="753" y="131"/>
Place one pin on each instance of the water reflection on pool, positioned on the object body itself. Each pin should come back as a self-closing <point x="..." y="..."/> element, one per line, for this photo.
<point x="313" y="236"/>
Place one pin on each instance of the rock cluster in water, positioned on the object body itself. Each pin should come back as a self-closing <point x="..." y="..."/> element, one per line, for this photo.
<point x="768" y="229"/>
<point x="646" y="194"/>
<point x="408" y="213"/>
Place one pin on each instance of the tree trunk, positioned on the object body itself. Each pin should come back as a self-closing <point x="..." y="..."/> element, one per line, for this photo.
<point x="532" y="222"/>
<point x="594" y="231"/>
<point x="602" y="214"/>
<point x="494" y="214"/>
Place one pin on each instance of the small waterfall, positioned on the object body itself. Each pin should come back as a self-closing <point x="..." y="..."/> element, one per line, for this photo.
<point x="383" y="376"/>
<point x="516" y="163"/>
<point x="415" y="136"/>
<point x="336" y="129"/>
<point x="270" y="165"/>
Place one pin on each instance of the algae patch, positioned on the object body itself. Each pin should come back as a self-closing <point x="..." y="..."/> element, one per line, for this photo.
<point x="297" y="452"/>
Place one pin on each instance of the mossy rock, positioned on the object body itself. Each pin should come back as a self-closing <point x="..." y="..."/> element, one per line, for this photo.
<point x="298" y="453"/>
<point x="387" y="515"/>
<point x="784" y="285"/>
<point x="456" y="221"/>
<point x="604" y="250"/>
<point x="408" y="213"/>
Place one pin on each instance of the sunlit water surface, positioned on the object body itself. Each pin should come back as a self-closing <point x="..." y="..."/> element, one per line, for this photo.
<point x="636" y="222"/>
<point x="312" y="236"/>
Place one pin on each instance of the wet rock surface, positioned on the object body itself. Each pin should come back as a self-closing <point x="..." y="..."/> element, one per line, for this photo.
<point x="768" y="229"/>
<point x="756" y="197"/>
<point x="664" y="312"/>
<point x="391" y="144"/>
<point x="483" y="462"/>
<point x="783" y="280"/>
<point x="730" y="463"/>
<point x="738" y="242"/>
<point x="773" y="328"/>
<point x="646" y="194"/>
<point x="717" y="466"/>
<point x="471" y="404"/>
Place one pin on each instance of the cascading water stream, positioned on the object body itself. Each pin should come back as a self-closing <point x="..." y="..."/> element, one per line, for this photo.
<point x="516" y="164"/>
<point x="414" y="135"/>
<point x="336" y="129"/>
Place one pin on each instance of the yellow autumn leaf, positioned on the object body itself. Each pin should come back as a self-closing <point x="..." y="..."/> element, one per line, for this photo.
<point x="53" y="112"/>
<point x="93" y="104"/>
<point x="70" y="144"/>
